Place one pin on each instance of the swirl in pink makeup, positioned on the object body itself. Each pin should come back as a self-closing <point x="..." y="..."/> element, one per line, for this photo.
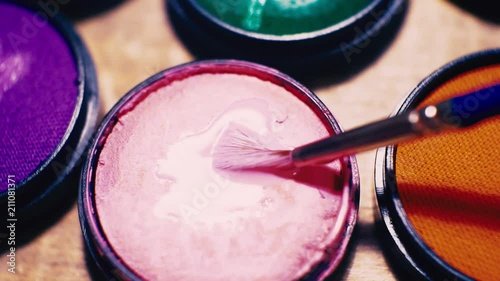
<point x="170" y="215"/>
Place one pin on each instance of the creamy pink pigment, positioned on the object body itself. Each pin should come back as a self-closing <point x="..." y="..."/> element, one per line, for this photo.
<point x="170" y="215"/>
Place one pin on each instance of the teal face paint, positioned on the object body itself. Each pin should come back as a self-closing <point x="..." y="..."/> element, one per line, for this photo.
<point x="304" y="38"/>
<point x="282" y="17"/>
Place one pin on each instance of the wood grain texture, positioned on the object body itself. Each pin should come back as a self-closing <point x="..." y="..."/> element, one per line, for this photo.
<point x="135" y="40"/>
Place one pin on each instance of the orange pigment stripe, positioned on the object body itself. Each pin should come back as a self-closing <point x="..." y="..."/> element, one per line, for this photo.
<point x="450" y="185"/>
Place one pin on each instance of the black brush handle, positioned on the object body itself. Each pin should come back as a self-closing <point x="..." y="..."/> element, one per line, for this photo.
<point x="458" y="112"/>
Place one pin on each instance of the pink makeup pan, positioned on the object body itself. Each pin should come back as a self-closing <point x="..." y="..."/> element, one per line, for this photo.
<point x="153" y="206"/>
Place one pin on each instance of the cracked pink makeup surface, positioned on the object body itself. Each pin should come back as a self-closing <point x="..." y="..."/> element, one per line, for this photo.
<point x="170" y="215"/>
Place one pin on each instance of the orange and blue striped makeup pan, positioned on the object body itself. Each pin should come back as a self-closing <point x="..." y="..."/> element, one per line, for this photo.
<point x="296" y="36"/>
<point x="440" y="197"/>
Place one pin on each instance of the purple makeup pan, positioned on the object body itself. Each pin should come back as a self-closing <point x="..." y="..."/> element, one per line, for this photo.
<point x="111" y="250"/>
<point x="48" y="108"/>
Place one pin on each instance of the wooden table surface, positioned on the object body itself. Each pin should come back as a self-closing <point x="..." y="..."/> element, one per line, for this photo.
<point x="134" y="40"/>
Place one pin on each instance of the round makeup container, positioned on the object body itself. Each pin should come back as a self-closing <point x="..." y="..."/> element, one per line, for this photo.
<point x="439" y="198"/>
<point x="299" y="37"/>
<point x="73" y="8"/>
<point x="482" y="8"/>
<point x="153" y="207"/>
<point x="48" y="110"/>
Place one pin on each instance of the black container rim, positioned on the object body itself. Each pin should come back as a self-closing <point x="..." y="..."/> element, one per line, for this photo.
<point x="44" y="180"/>
<point x="342" y="50"/>
<point x="102" y="252"/>
<point x="290" y="37"/>
<point x="418" y="257"/>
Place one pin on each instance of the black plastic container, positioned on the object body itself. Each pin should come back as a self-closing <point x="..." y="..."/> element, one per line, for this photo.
<point x="100" y="247"/>
<point x="72" y="8"/>
<point x="54" y="182"/>
<point x="344" y="47"/>
<point x="407" y="251"/>
<point x="483" y="8"/>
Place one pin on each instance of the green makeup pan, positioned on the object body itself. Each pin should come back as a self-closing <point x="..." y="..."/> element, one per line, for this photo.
<point x="282" y="17"/>
<point x="300" y="37"/>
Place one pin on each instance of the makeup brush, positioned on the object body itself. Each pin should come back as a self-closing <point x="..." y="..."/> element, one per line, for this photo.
<point x="241" y="149"/>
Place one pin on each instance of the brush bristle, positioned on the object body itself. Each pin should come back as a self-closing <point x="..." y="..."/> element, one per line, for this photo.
<point x="240" y="148"/>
